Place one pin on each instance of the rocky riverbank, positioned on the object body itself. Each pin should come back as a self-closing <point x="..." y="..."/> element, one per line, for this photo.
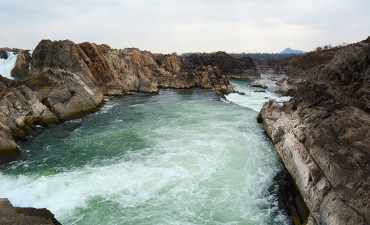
<point x="24" y="216"/>
<point x="63" y="80"/>
<point x="323" y="134"/>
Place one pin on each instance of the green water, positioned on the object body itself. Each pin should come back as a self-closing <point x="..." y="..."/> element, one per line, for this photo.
<point x="179" y="157"/>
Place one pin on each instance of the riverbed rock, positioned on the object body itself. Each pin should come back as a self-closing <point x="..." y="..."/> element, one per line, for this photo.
<point x="323" y="136"/>
<point x="264" y="86"/>
<point x="22" y="64"/>
<point x="24" y="216"/>
<point x="8" y="147"/>
<point x="57" y="67"/>
<point x="286" y="88"/>
<point x="21" y="110"/>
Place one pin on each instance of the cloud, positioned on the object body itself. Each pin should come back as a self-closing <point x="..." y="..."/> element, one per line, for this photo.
<point x="182" y="26"/>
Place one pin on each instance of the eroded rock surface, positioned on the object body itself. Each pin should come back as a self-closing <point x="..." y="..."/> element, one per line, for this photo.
<point x="22" y="64"/>
<point x="10" y="215"/>
<point x="323" y="136"/>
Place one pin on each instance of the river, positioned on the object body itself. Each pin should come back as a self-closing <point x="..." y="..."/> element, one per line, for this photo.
<point x="178" y="157"/>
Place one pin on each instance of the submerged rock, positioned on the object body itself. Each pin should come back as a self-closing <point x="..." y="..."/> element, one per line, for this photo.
<point x="264" y="86"/>
<point x="289" y="199"/>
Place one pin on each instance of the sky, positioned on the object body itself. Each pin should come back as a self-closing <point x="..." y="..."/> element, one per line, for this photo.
<point x="167" y="26"/>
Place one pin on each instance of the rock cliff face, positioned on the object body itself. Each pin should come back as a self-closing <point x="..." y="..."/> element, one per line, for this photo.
<point x="66" y="80"/>
<point x="323" y="136"/>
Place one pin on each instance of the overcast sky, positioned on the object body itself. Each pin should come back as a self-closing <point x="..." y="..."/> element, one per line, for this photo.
<point x="167" y="26"/>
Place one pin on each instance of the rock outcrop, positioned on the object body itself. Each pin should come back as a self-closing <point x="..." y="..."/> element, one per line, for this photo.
<point x="323" y="136"/>
<point x="22" y="65"/>
<point x="3" y="54"/>
<point x="64" y="80"/>
<point x="24" y="216"/>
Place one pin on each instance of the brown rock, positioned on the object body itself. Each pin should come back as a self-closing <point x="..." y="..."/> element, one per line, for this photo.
<point x="58" y="69"/>
<point x="8" y="147"/>
<point x="264" y="86"/>
<point x="22" y="64"/>
<point x="172" y="63"/>
<point x="24" y="216"/>
<point x="21" y="110"/>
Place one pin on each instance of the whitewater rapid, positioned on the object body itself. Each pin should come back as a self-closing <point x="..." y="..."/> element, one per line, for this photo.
<point x="253" y="98"/>
<point x="6" y="65"/>
<point x="180" y="157"/>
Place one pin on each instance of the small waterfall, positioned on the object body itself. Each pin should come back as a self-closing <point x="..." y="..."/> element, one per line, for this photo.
<point x="6" y="65"/>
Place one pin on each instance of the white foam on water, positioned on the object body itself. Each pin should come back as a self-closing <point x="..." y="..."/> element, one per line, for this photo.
<point x="6" y="65"/>
<point x="254" y="98"/>
<point x="204" y="162"/>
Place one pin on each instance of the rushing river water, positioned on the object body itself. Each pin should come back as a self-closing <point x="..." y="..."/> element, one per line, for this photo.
<point x="179" y="157"/>
<point x="6" y="65"/>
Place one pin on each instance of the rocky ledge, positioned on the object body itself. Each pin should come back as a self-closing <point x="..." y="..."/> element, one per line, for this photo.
<point x="323" y="135"/>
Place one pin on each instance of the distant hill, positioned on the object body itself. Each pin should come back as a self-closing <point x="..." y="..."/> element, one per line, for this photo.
<point x="292" y="52"/>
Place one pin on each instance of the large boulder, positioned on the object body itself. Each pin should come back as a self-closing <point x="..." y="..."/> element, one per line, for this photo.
<point x="323" y="136"/>
<point x="21" y="110"/>
<point x="8" y="147"/>
<point x="22" y="64"/>
<point x="57" y="67"/>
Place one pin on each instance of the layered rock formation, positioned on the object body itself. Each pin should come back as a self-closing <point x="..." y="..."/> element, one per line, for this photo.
<point x="323" y="135"/>
<point x="66" y="80"/>
<point x="24" y="216"/>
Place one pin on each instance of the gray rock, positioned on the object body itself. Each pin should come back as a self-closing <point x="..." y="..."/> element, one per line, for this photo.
<point x="323" y="136"/>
